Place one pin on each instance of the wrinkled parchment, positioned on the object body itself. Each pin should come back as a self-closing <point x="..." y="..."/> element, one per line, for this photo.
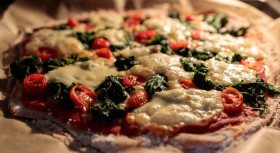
<point x="18" y="135"/>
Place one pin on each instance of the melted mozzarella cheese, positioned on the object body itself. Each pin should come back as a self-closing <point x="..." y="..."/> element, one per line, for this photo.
<point x="159" y="63"/>
<point x="114" y="36"/>
<point x="106" y="19"/>
<point x="89" y="73"/>
<point x="172" y="28"/>
<point x="136" y="52"/>
<point x="228" y="43"/>
<point x="63" y="41"/>
<point x="180" y="107"/>
<point x="226" y="74"/>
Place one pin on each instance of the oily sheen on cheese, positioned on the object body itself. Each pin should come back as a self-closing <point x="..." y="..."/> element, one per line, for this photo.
<point x="180" y="107"/>
<point x="91" y="73"/>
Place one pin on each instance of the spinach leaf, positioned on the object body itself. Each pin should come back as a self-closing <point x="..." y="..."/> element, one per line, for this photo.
<point x="86" y="38"/>
<point x="125" y="63"/>
<point x="236" y="32"/>
<point x="175" y="14"/>
<point x="107" y="111"/>
<point x="60" y="93"/>
<point x="61" y="27"/>
<point x="155" y="83"/>
<point x="22" y="68"/>
<point x="114" y="48"/>
<point x="112" y="89"/>
<point x="200" y="54"/>
<point x="200" y="78"/>
<point x="218" y="21"/>
<point x="236" y="58"/>
<point x="189" y="65"/>
<point x="51" y="64"/>
<point x="163" y="42"/>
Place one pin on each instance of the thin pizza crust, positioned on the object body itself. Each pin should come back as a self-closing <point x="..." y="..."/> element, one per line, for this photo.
<point x="184" y="142"/>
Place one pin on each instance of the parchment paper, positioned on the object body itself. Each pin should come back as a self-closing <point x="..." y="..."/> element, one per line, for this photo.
<point x="18" y="135"/>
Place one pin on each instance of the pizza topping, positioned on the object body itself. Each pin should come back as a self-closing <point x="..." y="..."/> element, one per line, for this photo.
<point x="45" y="53"/>
<point x="105" y="53"/>
<point x="178" y="45"/>
<point x="90" y="73"/>
<point x="72" y="22"/>
<point x="35" y="83"/>
<point x="155" y="83"/>
<point x="187" y="84"/>
<point x="29" y="65"/>
<point x="132" y="80"/>
<point x="113" y="36"/>
<point x="82" y="97"/>
<point x="100" y="43"/>
<point x="125" y="63"/>
<point x="232" y="100"/>
<point x="144" y="37"/>
<point x="138" y="99"/>
<point x="189" y="17"/>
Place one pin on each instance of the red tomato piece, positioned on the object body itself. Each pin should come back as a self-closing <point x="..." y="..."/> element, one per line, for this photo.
<point x="131" y="24"/>
<point x="89" y="26"/>
<point x="255" y="65"/>
<point x="75" y="118"/>
<point x="45" y="53"/>
<point x="138" y="99"/>
<point x="187" y="84"/>
<point x="72" y="22"/>
<point x="100" y="43"/>
<point x="115" y="130"/>
<point x="133" y="80"/>
<point x="178" y="45"/>
<point x="35" y="83"/>
<point x="82" y="97"/>
<point x="144" y="37"/>
<point x="189" y="17"/>
<point x="196" y="34"/>
<point x="136" y="16"/>
<point x="232" y="100"/>
<point x="105" y="53"/>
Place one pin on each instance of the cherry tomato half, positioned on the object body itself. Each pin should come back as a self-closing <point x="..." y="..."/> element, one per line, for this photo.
<point x="35" y="83"/>
<point x="100" y="43"/>
<point x="189" y="17"/>
<point x="82" y="97"/>
<point x="138" y="99"/>
<point x="136" y="16"/>
<point x="105" y="53"/>
<point x="196" y="34"/>
<point x="178" y="45"/>
<point x="131" y="24"/>
<point x="132" y="80"/>
<point x="45" y="53"/>
<point x="232" y="100"/>
<point x="255" y="65"/>
<point x="72" y="22"/>
<point x="144" y="37"/>
<point x="89" y="26"/>
<point x="187" y="84"/>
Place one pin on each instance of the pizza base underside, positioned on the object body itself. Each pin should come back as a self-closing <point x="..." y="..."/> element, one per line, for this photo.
<point x="221" y="140"/>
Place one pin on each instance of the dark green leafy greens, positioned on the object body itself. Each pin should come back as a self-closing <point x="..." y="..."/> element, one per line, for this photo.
<point x="200" y="54"/>
<point x="61" y="27"/>
<point x="60" y="93"/>
<point x="51" y="64"/>
<point x="114" y="48"/>
<point x="125" y="63"/>
<point x="155" y="83"/>
<point x="176" y="15"/>
<point x="254" y="93"/>
<point x="163" y="42"/>
<point x="110" y="93"/>
<point x="86" y="38"/>
<point x="236" y="58"/>
<point x="236" y="32"/>
<point x="22" y="68"/>
<point x="107" y="111"/>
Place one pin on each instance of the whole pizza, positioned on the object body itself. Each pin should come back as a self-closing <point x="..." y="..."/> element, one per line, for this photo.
<point x="185" y="82"/>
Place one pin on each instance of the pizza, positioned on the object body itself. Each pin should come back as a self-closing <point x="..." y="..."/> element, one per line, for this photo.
<point x="137" y="80"/>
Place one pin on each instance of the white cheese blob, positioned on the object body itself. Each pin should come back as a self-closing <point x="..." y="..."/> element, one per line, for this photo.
<point x="181" y="107"/>
<point x="106" y="19"/>
<point x="89" y="73"/>
<point x="136" y="52"/>
<point x="63" y="41"/>
<point x="159" y="63"/>
<point x="114" y="36"/>
<point x="227" y="43"/>
<point x="223" y="73"/>
<point x="172" y="28"/>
